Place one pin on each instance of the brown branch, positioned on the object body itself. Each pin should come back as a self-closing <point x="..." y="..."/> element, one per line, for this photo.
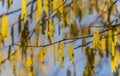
<point x="96" y="26"/>
<point x="83" y="45"/>
<point x="91" y="42"/>
<point x="8" y="57"/>
<point x="77" y="38"/>
<point x="57" y="41"/>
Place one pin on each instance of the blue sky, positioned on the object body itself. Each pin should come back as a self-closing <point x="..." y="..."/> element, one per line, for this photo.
<point x="103" y="70"/>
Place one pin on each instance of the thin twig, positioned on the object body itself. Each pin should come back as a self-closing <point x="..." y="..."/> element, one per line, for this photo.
<point x="77" y="38"/>
<point x="91" y="42"/>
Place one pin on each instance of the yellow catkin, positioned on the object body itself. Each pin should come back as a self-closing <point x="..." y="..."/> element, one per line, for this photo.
<point x="51" y="29"/>
<point x="31" y="50"/>
<point x="24" y="10"/>
<point x="38" y="10"/>
<point x="58" y="53"/>
<point x="70" y="52"/>
<point x="43" y="69"/>
<point x="72" y="15"/>
<point x="102" y="10"/>
<point x="44" y="54"/>
<point x="46" y="7"/>
<point x="63" y="22"/>
<point x="115" y="37"/>
<point x="55" y="5"/>
<point x="110" y="38"/>
<point x="61" y="6"/>
<point x="18" y="53"/>
<point x="96" y="38"/>
<point x="0" y="58"/>
<point x="62" y="55"/>
<point x="30" y="73"/>
<point x="4" y="27"/>
<point x="113" y="49"/>
<point x="116" y="59"/>
<point x="67" y="19"/>
<point x="103" y="45"/>
<point x="28" y="62"/>
<point x="9" y="4"/>
<point x="41" y="55"/>
<point x="113" y="66"/>
<point x="15" y="63"/>
<point x="54" y="53"/>
<point x="22" y="71"/>
<point x="37" y="29"/>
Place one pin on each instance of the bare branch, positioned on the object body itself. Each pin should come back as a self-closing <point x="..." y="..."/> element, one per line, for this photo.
<point x="91" y="42"/>
<point x="77" y="38"/>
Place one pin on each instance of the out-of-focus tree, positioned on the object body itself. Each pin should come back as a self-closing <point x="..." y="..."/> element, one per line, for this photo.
<point x="61" y="18"/>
